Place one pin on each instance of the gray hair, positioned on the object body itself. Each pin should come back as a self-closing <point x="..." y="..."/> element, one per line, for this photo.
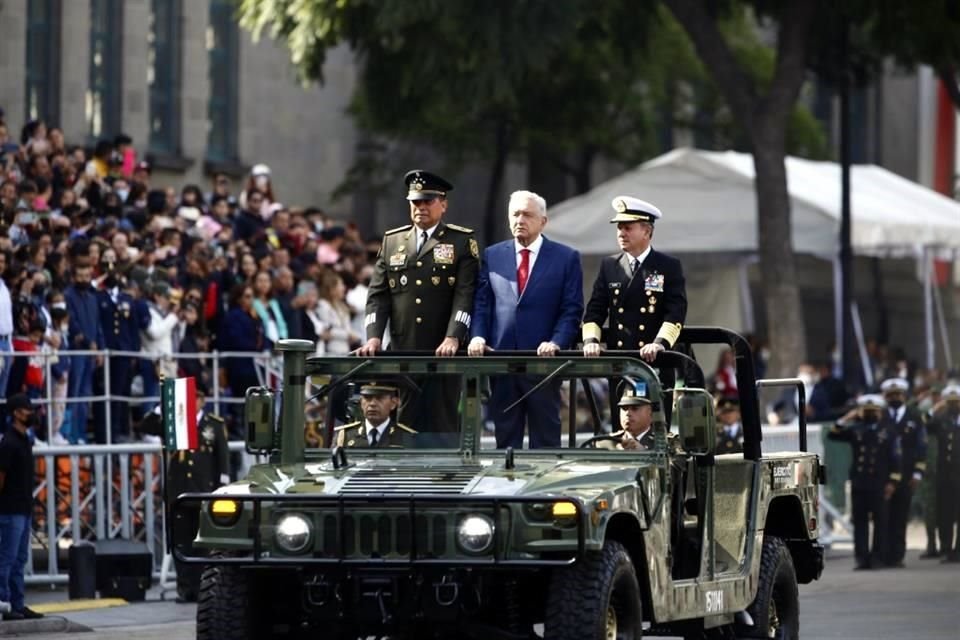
<point x="521" y="197"/>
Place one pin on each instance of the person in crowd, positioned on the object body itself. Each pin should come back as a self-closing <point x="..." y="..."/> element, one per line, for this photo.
<point x="529" y="297"/>
<point x="729" y="428"/>
<point x="331" y="317"/>
<point x="379" y="427"/>
<point x="192" y="340"/>
<point x="249" y="225"/>
<point x="640" y="290"/>
<point x="121" y="325"/>
<point x="268" y="309"/>
<point x="6" y="326"/>
<point x="725" y="375"/>
<point x="945" y="426"/>
<point x="291" y="305"/>
<point x="828" y="396"/>
<point x="58" y="337"/>
<point x="157" y="338"/>
<point x="423" y="285"/>
<point x="906" y="423"/>
<point x="86" y="333"/>
<point x="16" y="505"/>
<point x="874" y="476"/>
<point x="241" y="330"/>
<point x="259" y="181"/>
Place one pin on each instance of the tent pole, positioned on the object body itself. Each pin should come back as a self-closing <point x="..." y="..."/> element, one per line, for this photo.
<point x="746" y="301"/>
<point x="838" y="312"/>
<point x="942" y="325"/>
<point x="928" y="306"/>
<point x="861" y="344"/>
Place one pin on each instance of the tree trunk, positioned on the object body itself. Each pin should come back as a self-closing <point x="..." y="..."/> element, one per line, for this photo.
<point x="785" y="322"/>
<point x="491" y="212"/>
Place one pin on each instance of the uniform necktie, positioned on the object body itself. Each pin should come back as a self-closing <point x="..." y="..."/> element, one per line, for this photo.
<point x="423" y="240"/>
<point x="523" y="271"/>
<point x="635" y="266"/>
<point x="374" y="437"/>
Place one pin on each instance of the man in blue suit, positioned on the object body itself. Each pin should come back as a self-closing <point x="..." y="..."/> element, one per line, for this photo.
<point x="529" y="297"/>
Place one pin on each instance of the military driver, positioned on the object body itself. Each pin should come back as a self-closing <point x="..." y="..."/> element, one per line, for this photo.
<point x="636" y="416"/>
<point x="379" y="427"/>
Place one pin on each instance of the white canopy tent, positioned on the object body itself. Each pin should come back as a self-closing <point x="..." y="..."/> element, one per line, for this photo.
<point x="709" y="206"/>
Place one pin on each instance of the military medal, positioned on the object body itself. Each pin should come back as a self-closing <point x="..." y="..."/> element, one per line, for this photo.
<point x="451" y="280"/>
<point x="443" y="254"/>
<point x="435" y="280"/>
<point x="654" y="282"/>
<point x="393" y="283"/>
<point x="474" y="249"/>
<point x="403" y="280"/>
<point x="398" y="259"/>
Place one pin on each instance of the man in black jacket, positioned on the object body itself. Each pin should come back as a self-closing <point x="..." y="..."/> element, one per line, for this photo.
<point x="907" y="423"/>
<point x="640" y="290"/>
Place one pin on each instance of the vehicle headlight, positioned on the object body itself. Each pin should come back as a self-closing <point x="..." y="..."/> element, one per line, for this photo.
<point x="293" y="533"/>
<point x="475" y="533"/>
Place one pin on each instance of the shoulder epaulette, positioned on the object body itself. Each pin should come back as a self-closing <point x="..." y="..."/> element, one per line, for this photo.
<point x="346" y="426"/>
<point x="406" y="428"/>
<point x="398" y="229"/>
<point x="457" y="227"/>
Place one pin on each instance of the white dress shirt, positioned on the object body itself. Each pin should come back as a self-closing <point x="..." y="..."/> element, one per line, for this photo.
<point x="420" y="235"/>
<point x="642" y="256"/>
<point x="534" y="248"/>
<point x="6" y="310"/>
<point x="381" y="431"/>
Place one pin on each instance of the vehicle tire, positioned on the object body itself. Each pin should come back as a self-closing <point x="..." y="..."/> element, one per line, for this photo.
<point x="226" y="609"/>
<point x="776" y="609"/>
<point x="598" y="598"/>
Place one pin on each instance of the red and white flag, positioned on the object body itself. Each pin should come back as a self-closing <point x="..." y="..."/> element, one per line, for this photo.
<point x="179" y="402"/>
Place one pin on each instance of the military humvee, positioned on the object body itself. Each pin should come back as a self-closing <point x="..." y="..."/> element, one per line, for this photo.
<point x="453" y="538"/>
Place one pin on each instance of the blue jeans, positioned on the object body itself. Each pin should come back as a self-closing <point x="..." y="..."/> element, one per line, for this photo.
<point x="14" y="547"/>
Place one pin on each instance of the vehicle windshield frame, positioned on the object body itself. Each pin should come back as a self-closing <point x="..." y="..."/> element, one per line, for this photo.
<point x="572" y="365"/>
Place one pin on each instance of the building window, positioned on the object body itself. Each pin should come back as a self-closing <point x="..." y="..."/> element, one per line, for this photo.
<point x="43" y="61"/>
<point x="163" y="76"/>
<point x="222" y="46"/>
<point x="103" y="100"/>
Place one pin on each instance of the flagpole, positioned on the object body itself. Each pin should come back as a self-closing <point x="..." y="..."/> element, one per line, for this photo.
<point x="165" y="463"/>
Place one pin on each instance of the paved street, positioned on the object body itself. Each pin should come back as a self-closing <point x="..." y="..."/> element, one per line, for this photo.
<point x="920" y="602"/>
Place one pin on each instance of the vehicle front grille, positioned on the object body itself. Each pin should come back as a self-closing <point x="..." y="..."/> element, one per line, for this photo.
<point x="439" y="480"/>
<point x="386" y="535"/>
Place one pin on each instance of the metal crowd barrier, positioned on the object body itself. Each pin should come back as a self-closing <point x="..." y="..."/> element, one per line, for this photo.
<point x="265" y="364"/>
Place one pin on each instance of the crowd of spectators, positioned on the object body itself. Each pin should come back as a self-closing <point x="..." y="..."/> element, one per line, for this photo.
<point x="94" y="255"/>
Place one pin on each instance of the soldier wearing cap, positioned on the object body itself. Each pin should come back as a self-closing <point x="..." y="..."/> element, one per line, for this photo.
<point x="379" y="428"/>
<point x="906" y="422"/>
<point x="200" y="470"/>
<point x="636" y="417"/>
<point x="945" y="426"/>
<point x="639" y="290"/>
<point x="423" y="285"/>
<point x="874" y="475"/>
<point x="729" y="429"/>
<point x="122" y="319"/>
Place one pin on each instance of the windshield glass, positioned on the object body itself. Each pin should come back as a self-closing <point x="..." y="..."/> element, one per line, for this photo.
<point x="489" y="403"/>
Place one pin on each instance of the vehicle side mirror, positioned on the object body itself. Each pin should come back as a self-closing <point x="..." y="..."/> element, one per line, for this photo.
<point x="696" y="420"/>
<point x="258" y="416"/>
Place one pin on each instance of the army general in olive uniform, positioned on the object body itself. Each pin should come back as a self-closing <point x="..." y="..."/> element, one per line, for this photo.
<point x="640" y="291"/>
<point x="423" y="285"/>
<point x="379" y="427"/>
<point x="945" y="425"/>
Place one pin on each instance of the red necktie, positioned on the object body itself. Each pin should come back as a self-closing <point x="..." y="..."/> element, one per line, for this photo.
<point x="523" y="271"/>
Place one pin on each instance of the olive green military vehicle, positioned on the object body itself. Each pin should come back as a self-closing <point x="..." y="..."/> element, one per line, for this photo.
<point x="452" y="538"/>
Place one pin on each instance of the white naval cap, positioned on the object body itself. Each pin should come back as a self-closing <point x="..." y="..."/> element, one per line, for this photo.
<point x="951" y="392"/>
<point x="894" y="384"/>
<point x="871" y="401"/>
<point x="630" y="209"/>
